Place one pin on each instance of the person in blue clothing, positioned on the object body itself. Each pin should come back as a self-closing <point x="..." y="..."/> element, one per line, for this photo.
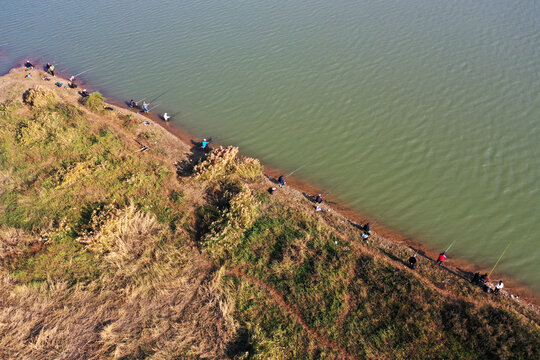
<point x="281" y="181"/>
<point x="204" y="144"/>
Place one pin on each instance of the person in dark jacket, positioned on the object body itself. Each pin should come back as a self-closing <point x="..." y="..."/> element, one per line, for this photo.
<point x="281" y="181"/>
<point x="367" y="228"/>
<point x="412" y="261"/>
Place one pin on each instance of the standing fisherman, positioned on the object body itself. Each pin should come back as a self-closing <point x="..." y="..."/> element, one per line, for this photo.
<point x="166" y="117"/>
<point x="412" y="261"/>
<point x="319" y="199"/>
<point x="441" y="258"/>
<point x="50" y="69"/>
<point x="281" y="181"/>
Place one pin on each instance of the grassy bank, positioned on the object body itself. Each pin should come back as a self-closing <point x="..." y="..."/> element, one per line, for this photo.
<point x="111" y="251"/>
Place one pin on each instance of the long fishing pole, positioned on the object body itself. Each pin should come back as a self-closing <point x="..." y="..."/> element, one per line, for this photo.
<point x="160" y="95"/>
<point x="82" y="72"/>
<point x="500" y="257"/>
<point x="153" y="107"/>
<point x="448" y="248"/>
<point x="295" y="170"/>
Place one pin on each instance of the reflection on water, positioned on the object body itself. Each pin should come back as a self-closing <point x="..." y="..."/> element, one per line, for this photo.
<point x="420" y="113"/>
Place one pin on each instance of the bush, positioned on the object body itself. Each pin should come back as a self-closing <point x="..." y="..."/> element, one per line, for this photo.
<point x="94" y="101"/>
<point x="216" y="164"/>
<point x="248" y="169"/>
<point x="39" y="97"/>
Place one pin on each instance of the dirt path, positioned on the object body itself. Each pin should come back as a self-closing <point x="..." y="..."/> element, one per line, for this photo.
<point x="291" y="310"/>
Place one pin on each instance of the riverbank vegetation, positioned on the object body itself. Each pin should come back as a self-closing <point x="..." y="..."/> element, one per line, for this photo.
<point x="110" y="252"/>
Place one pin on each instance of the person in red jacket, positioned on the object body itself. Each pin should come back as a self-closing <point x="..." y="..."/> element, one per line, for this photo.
<point x="441" y="258"/>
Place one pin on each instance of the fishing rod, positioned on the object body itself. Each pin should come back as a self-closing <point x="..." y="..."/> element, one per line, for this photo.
<point x="153" y="107"/>
<point x="500" y="257"/>
<point x="506" y="248"/>
<point x="295" y="170"/>
<point x="82" y="72"/>
<point x="448" y="248"/>
<point x="160" y="95"/>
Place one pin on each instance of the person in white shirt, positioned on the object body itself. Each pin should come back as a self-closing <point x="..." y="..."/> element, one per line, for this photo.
<point x="166" y="117"/>
<point x="498" y="287"/>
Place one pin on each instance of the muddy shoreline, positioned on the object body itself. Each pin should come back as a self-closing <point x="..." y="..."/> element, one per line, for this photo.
<point x="458" y="265"/>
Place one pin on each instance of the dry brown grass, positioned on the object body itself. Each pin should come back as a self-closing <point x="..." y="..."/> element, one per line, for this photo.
<point x="153" y="300"/>
<point x="216" y="164"/>
<point x="39" y="96"/>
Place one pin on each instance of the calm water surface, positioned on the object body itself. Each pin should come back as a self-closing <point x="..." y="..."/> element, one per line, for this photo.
<point x="423" y="114"/>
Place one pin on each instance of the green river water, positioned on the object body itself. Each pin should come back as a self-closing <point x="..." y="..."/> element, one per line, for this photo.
<point x="421" y="114"/>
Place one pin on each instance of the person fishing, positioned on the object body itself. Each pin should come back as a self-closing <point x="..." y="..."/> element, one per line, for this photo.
<point x="319" y="199"/>
<point x="145" y="108"/>
<point x="412" y="261"/>
<point x="281" y="181"/>
<point x="367" y="228"/>
<point x="166" y="117"/>
<point x="204" y="144"/>
<point x="484" y="282"/>
<point x="85" y="93"/>
<point x="498" y="287"/>
<point x="441" y="258"/>
<point x="72" y="78"/>
<point x="484" y="278"/>
<point x="50" y="69"/>
<point x="132" y="103"/>
<point x="28" y="65"/>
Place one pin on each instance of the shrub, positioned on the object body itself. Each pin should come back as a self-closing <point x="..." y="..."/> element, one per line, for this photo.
<point x="39" y="97"/>
<point x="216" y="164"/>
<point x="227" y="230"/>
<point x="248" y="169"/>
<point x="94" y="101"/>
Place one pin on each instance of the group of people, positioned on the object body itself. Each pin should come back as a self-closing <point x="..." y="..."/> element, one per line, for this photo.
<point x="413" y="260"/>
<point x="145" y="109"/>
<point x="481" y="280"/>
<point x="51" y="70"/>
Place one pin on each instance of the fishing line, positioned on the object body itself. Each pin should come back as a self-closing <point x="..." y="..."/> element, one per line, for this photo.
<point x="295" y="170"/>
<point x="160" y="95"/>
<point x="153" y="107"/>
<point x="82" y="72"/>
<point x="500" y="257"/>
<point x="507" y="246"/>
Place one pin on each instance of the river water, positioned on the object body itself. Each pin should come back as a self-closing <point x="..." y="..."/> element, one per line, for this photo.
<point x="422" y="113"/>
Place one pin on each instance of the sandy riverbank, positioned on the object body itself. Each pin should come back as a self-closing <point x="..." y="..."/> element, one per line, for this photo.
<point x="459" y="266"/>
